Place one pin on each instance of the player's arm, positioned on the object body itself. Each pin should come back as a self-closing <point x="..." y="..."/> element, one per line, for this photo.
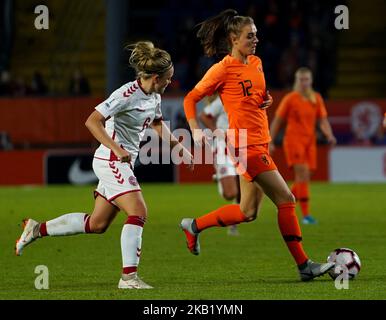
<point x="164" y="132"/>
<point x="190" y="102"/>
<point x="326" y="129"/>
<point x="211" y="81"/>
<point x="276" y="124"/>
<point x="96" y="124"/>
<point x="324" y="124"/>
<point x="281" y="116"/>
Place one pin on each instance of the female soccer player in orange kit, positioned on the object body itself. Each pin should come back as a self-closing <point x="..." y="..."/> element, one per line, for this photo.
<point x="239" y="80"/>
<point x="301" y="109"/>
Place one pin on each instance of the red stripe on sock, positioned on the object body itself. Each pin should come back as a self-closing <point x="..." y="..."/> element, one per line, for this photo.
<point x="136" y="220"/>
<point x="87" y="224"/>
<point x="127" y="270"/>
<point x="43" y="229"/>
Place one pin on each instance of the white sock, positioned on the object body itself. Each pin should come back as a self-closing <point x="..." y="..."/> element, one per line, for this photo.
<point x="68" y="224"/>
<point x="219" y="188"/>
<point x="131" y="243"/>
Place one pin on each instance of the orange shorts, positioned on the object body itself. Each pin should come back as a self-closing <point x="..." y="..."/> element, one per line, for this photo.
<point x="297" y="152"/>
<point x="253" y="160"/>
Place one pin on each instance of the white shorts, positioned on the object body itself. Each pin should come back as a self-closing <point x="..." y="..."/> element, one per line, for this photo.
<point x="224" y="167"/>
<point x="115" y="179"/>
<point x="223" y="164"/>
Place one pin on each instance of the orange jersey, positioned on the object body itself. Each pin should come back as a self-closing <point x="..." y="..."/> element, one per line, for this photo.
<point x="300" y="115"/>
<point x="242" y="89"/>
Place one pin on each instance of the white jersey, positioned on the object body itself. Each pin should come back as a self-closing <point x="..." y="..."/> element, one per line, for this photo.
<point x="128" y="112"/>
<point x="216" y="110"/>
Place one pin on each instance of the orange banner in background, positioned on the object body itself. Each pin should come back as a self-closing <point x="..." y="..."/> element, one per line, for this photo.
<point x="46" y="120"/>
<point x="22" y="167"/>
<point x="61" y="120"/>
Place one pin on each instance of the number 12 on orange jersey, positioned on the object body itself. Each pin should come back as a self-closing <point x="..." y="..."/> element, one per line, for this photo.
<point x="246" y="87"/>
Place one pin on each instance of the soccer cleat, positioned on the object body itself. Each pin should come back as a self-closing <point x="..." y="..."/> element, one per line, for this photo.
<point x="132" y="282"/>
<point x="191" y="237"/>
<point x="30" y="234"/>
<point x="311" y="270"/>
<point x="233" y="231"/>
<point x="309" y="220"/>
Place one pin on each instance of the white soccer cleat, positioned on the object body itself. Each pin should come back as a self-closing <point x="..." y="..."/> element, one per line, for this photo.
<point x="233" y="231"/>
<point x="133" y="282"/>
<point x="311" y="270"/>
<point x="28" y="235"/>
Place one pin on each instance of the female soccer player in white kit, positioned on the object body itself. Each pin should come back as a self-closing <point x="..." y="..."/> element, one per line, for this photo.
<point x="214" y="118"/>
<point x="119" y="124"/>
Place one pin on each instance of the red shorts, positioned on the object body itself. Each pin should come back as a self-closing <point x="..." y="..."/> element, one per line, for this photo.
<point x="297" y="152"/>
<point x="253" y="160"/>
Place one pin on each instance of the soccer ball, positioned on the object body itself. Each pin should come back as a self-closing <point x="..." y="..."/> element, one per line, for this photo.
<point x="346" y="260"/>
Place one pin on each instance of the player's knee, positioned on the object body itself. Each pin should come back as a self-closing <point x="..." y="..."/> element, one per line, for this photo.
<point x="284" y="197"/>
<point x="288" y="197"/>
<point x="143" y="212"/>
<point x="229" y="195"/>
<point x="302" y="178"/>
<point x="139" y="209"/>
<point x="99" y="228"/>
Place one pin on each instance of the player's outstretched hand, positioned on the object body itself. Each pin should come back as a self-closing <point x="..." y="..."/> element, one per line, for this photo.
<point x="331" y="140"/>
<point x="189" y="160"/>
<point x="268" y="100"/>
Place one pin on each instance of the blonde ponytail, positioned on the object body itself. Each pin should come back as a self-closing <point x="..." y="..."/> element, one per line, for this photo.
<point x="148" y="60"/>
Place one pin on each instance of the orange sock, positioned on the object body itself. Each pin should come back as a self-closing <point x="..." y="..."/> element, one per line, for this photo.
<point x="221" y="217"/>
<point x="290" y="230"/>
<point x="303" y="197"/>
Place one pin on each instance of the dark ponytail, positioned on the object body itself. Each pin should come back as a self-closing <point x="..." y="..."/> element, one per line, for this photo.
<point x="214" y="32"/>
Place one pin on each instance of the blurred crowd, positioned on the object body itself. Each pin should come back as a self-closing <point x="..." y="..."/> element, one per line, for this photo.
<point x="10" y="86"/>
<point x="292" y="33"/>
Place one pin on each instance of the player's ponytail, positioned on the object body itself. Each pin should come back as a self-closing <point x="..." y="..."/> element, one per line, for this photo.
<point x="309" y="93"/>
<point x="148" y="60"/>
<point x="214" y="32"/>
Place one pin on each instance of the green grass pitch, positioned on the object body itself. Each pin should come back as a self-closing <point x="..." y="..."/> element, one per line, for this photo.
<point x="255" y="265"/>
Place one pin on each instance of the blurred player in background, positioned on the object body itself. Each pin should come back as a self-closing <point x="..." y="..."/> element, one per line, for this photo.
<point x="384" y="121"/>
<point x="214" y="117"/>
<point x="119" y="124"/>
<point x="300" y="110"/>
<point x="240" y="82"/>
